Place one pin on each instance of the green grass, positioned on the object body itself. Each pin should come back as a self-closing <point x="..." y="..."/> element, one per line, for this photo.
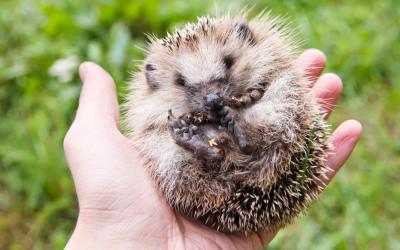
<point x="359" y="210"/>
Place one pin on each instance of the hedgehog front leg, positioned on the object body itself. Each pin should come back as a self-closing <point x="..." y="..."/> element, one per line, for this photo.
<point x="241" y="130"/>
<point x="190" y="137"/>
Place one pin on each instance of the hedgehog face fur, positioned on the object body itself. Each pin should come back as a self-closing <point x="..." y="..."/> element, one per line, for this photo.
<point x="231" y="132"/>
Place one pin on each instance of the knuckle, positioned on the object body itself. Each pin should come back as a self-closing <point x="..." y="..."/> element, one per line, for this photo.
<point x="68" y="141"/>
<point x="72" y="137"/>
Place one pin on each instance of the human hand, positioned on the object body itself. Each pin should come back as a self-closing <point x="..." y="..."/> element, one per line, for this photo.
<point x="120" y="206"/>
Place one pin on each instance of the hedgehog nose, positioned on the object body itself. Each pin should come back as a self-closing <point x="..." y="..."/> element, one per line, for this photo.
<point x="213" y="101"/>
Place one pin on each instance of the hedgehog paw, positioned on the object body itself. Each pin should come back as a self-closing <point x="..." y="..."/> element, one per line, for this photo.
<point x="230" y="120"/>
<point x="196" y="118"/>
<point x="190" y="137"/>
<point x="181" y="127"/>
<point x="248" y="99"/>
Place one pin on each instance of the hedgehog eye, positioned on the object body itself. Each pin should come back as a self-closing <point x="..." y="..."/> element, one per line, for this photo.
<point x="180" y="80"/>
<point x="228" y="62"/>
<point x="149" y="67"/>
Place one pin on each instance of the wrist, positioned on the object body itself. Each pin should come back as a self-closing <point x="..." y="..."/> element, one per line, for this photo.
<point x="90" y="236"/>
<point x="102" y="231"/>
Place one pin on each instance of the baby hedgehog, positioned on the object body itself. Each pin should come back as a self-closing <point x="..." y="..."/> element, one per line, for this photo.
<point x="227" y="123"/>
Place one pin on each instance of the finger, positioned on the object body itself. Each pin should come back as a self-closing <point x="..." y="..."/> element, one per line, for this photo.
<point x="311" y="62"/>
<point x="98" y="102"/>
<point x="327" y="90"/>
<point x="343" y="140"/>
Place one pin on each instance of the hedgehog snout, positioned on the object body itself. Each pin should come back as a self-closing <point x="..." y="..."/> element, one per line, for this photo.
<point x="213" y="101"/>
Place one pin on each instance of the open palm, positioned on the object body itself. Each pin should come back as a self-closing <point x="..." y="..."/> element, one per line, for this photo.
<point x="120" y="206"/>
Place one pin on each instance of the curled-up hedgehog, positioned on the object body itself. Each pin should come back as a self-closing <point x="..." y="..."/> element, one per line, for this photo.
<point x="227" y="123"/>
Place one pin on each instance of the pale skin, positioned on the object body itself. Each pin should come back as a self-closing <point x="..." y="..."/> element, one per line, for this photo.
<point x="120" y="206"/>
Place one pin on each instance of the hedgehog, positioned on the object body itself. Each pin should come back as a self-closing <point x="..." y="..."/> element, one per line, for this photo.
<point x="230" y="131"/>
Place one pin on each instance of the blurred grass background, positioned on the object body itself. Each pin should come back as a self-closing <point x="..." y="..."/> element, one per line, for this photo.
<point x="42" y="42"/>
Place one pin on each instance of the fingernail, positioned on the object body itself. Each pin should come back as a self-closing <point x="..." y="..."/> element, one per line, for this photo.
<point x="83" y="68"/>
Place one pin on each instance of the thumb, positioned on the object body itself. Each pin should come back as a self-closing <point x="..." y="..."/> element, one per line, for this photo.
<point x="98" y="104"/>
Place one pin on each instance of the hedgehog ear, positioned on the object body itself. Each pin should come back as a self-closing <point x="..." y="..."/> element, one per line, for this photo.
<point x="245" y="33"/>
<point x="150" y="76"/>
